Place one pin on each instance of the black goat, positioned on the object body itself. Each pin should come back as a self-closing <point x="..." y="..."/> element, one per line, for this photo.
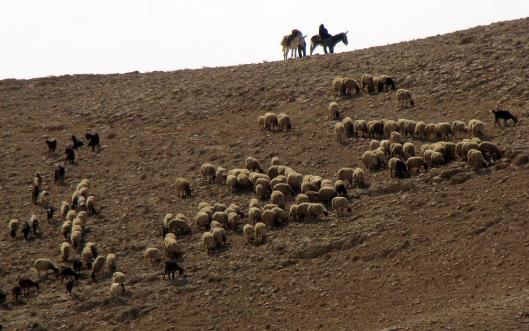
<point x="170" y="268"/>
<point x="16" y="292"/>
<point x="93" y="140"/>
<point x="35" y="194"/>
<point x="69" y="285"/>
<point x="58" y="175"/>
<point x="26" y="230"/>
<point x="27" y="284"/>
<point x="35" y="228"/>
<point x="401" y="170"/>
<point x="49" y="213"/>
<point x="77" y="265"/>
<point x="76" y="143"/>
<point x="3" y="297"/>
<point x="503" y="115"/>
<point x="52" y="146"/>
<point x="341" y="190"/>
<point x="69" y="155"/>
<point x="68" y="272"/>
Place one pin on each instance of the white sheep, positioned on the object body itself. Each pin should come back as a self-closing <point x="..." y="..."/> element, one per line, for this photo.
<point x="270" y="121"/>
<point x="409" y="150"/>
<point x="430" y="132"/>
<point x="76" y="238"/>
<point x="349" y="126"/>
<point x="284" y="122"/>
<point x="459" y="128"/>
<point x="119" y="277"/>
<point x="252" y="164"/>
<point x="219" y="234"/>
<point x="359" y="178"/>
<point x="248" y="232"/>
<point x="97" y="267"/>
<point x="87" y="256"/>
<point x="390" y="126"/>
<point x="255" y="214"/>
<point x="374" y="144"/>
<point x="443" y="130"/>
<point x="404" y="96"/>
<point x="13" y="227"/>
<point x="208" y="172"/>
<point x="65" y="207"/>
<point x="269" y="216"/>
<point x="360" y="127"/>
<point x="91" y="205"/>
<point x="416" y="163"/>
<point x="334" y="111"/>
<point x="208" y="242"/>
<point x="475" y="159"/>
<point x="153" y="256"/>
<point x="183" y="187"/>
<point x="44" y="265"/>
<point x="437" y="159"/>
<point x="395" y="137"/>
<point x="476" y="128"/>
<point x="340" y="204"/>
<point x="369" y="160"/>
<point x="66" y="250"/>
<point x="111" y="262"/>
<point x="260" y="232"/>
<point x="396" y="149"/>
<point x="261" y="123"/>
<point x="420" y="129"/>
<point x="381" y="157"/>
<point x="316" y="210"/>
<point x="116" y="290"/>
<point x="341" y="135"/>
<point x="367" y="81"/>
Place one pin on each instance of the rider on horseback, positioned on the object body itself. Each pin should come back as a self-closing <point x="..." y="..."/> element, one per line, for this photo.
<point x="325" y="38"/>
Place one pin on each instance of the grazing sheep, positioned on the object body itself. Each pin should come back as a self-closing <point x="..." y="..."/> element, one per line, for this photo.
<point x="97" y="267"/>
<point x="183" y="187"/>
<point x="490" y="151"/>
<point x="260" y="232"/>
<point x="219" y="234"/>
<point x="208" y="242"/>
<point x="395" y="137"/>
<point x="370" y="160"/>
<point x="392" y="164"/>
<point x="409" y="150"/>
<point x="234" y="220"/>
<point x="76" y="238"/>
<point x="359" y="178"/>
<point x="58" y="174"/>
<point x="475" y="159"/>
<point x="437" y="159"/>
<point x="248" y="232"/>
<point x="476" y="128"/>
<point x="119" y="277"/>
<point x="459" y="128"/>
<point x="360" y="126"/>
<point x="261" y="123"/>
<point x="430" y="131"/>
<point x="202" y="220"/>
<point x="409" y="128"/>
<point x="347" y="85"/>
<point x="349" y="126"/>
<point x="346" y="174"/>
<point x="367" y="81"/>
<point x="415" y="163"/>
<point x="116" y="290"/>
<point x="374" y="144"/>
<point x="66" y="250"/>
<point x="420" y="130"/>
<point x="269" y="217"/>
<point x="255" y="214"/>
<point x="52" y="147"/>
<point x="221" y="175"/>
<point x="503" y="115"/>
<point x="270" y="121"/>
<point x="341" y="134"/>
<point x="316" y="210"/>
<point x="381" y="157"/>
<point x="13" y="227"/>
<point x="337" y="84"/>
<point x="44" y="265"/>
<point x="396" y="149"/>
<point x="334" y="111"/>
<point x="389" y="127"/>
<point x="327" y="193"/>
<point x="467" y="146"/>
<point x="152" y="255"/>
<point x="284" y="122"/>
<point x="404" y="96"/>
<point x="91" y="205"/>
<point x="42" y="199"/>
<point x="27" y="284"/>
<point x="340" y="187"/>
<point x="385" y="82"/>
<point x="375" y="129"/>
<point x="443" y="131"/>
<point x="294" y="180"/>
<point x="65" y="208"/>
<point x="111" y="262"/>
<point x="340" y="204"/>
<point x="208" y="172"/>
<point x="252" y="164"/>
<point x="283" y="188"/>
<point x="87" y="255"/>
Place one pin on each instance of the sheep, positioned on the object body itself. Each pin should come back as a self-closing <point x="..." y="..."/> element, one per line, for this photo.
<point x="27" y="284"/>
<point x="409" y="150"/>
<point x="69" y="155"/>
<point x="476" y="128"/>
<point x="85" y="182"/>
<point x="429" y="131"/>
<point x="269" y="217"/>
<point x="255" y="214"/>
<point x="282" y="215"/>
<point x="390" y="126"/>
<point x="284" y="122"/>
<point x="277" y="180"/>
<point x="261" y="192"/>
<point x="316" y="210"/>
<point x="42" y="199"/>
<point x="294" y="180"/>
<point x="119" y="278"/>
<point x="293" y="212"/>
<point x="152" y="255"/>
<point x="248" y="232"/>
<point x="374" y="144"/>
<point x="349" y="126"/>
<point x="76" y="239"/>
<point x="178" y="226"/>
<point x="327" y="193"/>
<point x="66" y="250"/>
<point x="392" y="164"/>
<point x="346" y="174"/>
<point x="427" y="156"/>
<point x="369" y="160"/>
<point x="65" y="208"/>
<point x="208" y="242"/>
<point x="395" y="137"/>
<point x="202" y="220"/>
<point x="348" y="84"/>
<point x="475" y="159"/>
<point x="360" y="126"/>
<point x="87" y="256"/>
<point x="381" y="157"/>
<point x="81" y="203"/>
<point x="270" y="121"/>
<point x="300" y="198"/>
<point x="459" y="128"/>
<point x="437" y="159"/>
<point x="313" y="196"/>
<point x="58" y="174"/>
<point x="404" y="95"/>
<point x="386" y="146"/>
<point x="116" y="290"/>
<point x="334" y="111"/>
<point x="43" y="265"/>
<point x="341" y="188"/>
<point x="409" y="128"/>
<point x="367" y="81"/>
<point x="219" y="234"/>
<point x="208" y="172"/>
<point x="375" y="129"/>
<point x="221" y="175"/>
<point x="467" y="146"/>
<point x="420" y="130"/>
<point x="52" y="146"/>
<point x="283" y="188"/>
<point x="234" y="220"/>
<point x="183" y="187"/>
<point x="261" y="123"/>
<point x="252" y="164"/>
<point x="490" y="151"/>
<point x="110" y="262"/>
<point x="337" y="84"/>
<point x="340" y="204"/>
<point x="359" y="178"/>
<point x="443" y="130"/>
<point x="97" y="267"/>
<point x="13" y="227"/>
<point x="341" y="135"/>
<point x="396" y="149"/>
<point x="416" y="163"/>
<point x="260" y="232"/>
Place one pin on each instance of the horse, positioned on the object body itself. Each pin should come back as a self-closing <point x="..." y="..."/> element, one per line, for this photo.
<point x="316" y="41"/>
<point x="295" y="46"/>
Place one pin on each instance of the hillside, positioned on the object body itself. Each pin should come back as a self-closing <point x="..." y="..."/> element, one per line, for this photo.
<point x="428" y="252"/>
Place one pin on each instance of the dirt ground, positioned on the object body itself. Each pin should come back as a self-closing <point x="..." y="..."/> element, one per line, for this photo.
<point x="443" y="250"/>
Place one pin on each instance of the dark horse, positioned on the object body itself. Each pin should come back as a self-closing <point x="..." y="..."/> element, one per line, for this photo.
<point x="316" y="41"/>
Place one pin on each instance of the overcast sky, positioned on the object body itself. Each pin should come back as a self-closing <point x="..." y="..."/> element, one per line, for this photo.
<point x="54" y="37"/>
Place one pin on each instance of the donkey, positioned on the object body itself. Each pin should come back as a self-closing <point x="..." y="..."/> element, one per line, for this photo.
<point x="294" y="44"/>
<point x="316" y="41"/>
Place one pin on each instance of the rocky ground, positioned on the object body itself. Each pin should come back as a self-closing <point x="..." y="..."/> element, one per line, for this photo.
<point x="446" y="249"/>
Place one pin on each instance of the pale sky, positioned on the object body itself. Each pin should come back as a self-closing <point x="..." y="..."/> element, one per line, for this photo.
<point x="55" y="37"/>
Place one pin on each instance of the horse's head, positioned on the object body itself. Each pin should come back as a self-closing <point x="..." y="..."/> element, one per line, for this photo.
<point x="344" y="38"/>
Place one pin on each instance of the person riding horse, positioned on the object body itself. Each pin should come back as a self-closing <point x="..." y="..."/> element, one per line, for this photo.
<point x="296" y="33"/>
<point x="325" y="37"/>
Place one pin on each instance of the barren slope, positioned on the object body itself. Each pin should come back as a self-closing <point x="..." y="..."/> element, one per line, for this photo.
<point x="422" y="254"/>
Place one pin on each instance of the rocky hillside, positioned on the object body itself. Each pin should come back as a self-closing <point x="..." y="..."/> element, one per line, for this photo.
<point x="445" y="249"/>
